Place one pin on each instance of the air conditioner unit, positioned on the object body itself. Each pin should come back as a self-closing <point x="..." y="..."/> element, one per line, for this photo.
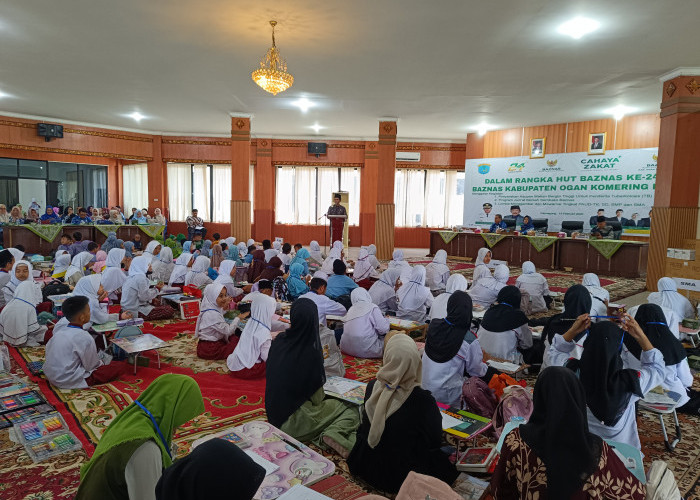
<point x="407" y="156"/>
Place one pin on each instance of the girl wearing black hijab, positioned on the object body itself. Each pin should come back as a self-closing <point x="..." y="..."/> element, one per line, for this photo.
<point x="451" y="350"/>
<point x="611" y="391"/>
<point x="555" y="456"/>
<point x="504" y="332"/>
<point x="653" y="321"/>
<point x="214" y="469"/>
<point x="294" y="397"/>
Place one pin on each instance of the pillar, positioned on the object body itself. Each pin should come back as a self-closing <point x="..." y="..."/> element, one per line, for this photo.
<point x="157" y="179"/>
<point x="368" y="194"/>
<point x="677" y="193"/>
<point x="240" y="165"/>
<point x="264" y="191"/>
<point x="386" y="171"/>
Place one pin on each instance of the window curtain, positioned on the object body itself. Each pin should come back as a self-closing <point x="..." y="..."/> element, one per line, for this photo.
<point x="434" y="198"/>
<point x="304" y="189"/>
<point x="221" y="192"/>
<point x="134" y="186"/>
<point x="454" y="198"/>
<point x="201" y="190"/>
<point x="327" y="182"/>
<point x="251" y="192"/>
<point x="284" y="195"/>
<point x="179" y="191"/>
<point x="415" y="198"/>
<point x="350" y="182"/>
<point x="400" y="198"/>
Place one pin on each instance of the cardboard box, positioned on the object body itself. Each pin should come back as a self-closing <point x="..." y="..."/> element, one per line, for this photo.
<point x="684" y="254"/>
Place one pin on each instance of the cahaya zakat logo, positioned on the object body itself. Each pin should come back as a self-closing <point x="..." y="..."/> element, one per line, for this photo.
<point x="484" y="168"/>
<point x="516" y="167"/>
<point x="600" y="163"/>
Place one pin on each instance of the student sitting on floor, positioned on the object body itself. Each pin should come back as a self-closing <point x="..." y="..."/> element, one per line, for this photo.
<point x="340" y="284"/>
<point x="414" y="297"/>
<point x="21" y="272"/>
<point x="536" y="286"/>
<point x="294" y="397"/>
<point x="72" y="360"/>
<point x="323" y="303"/>
<point x="577" y="301"/>
<point x="216" y="337"/>
<point x="136" y="446"/>
<point x="364" y="272"/>
<point x="91" y="288"/>
<point x="180" y="270"/>
<point x="611" y="391"/>
<point x="248" y="358"/>
<point x="316" y="254"/>
<point x="114" y="276"/>
<point x="481" y="270"/>
<point x="383" y="291"/>
<point x="484" y="293"/>
<point x="555" y="455"/>
<point x="504" y="332"/>
<point x="437" y="273"/>
<point x="137" y="294"/>
<point x="296" y="283"/>
<point x="455" y="283"/>
<point x="152" y="250"/>
<point x="599" y="295"/>
<point x="197" y="276"/>
<point x="7" y="262"/>
<point x="336" y="253"/>
<point x="372" y="251"/>
<point x="302" y="258"/>
<point x="401" y="429"/>
<point x="451" y="350"/>
<point x="669" y="298"/>
<point x="76" y="270"/>
<point x="163" y="265"/>
<point x="61" y="265"/>
<point x="227" y="270"/>
<point x="286" y="255"/>
<point x="78" y="245"/>
<point x="18" y="322"/>
<point x="364" y="327"/>
<point x="399" y="263"/>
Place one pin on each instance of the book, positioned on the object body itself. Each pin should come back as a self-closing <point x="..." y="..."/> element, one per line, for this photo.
<point x="469" y="487"/>
<point x="504" y="366"/>
<point x="476" y="459"/>
<point x="462" y="423"/>
<point x="236" y="439"/>
<point x="345" y="389"/>
<point x="301" y="492"/>
<point x="403" y="323"/>
<point x="139" y="343"/>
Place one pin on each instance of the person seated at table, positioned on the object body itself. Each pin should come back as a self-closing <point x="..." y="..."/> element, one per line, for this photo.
<point x="401" y="429"/>
<point x="364" y="327"/>
<point x="483" y="258"/>
<point x="197" y="275"/>
<point x="16" y="215"/>
<point x="61" y="264"/>
<point x="451" y="350"/>
<point x="414" y="297"/>
<point x="152" y="250"/>
<point x="157" y="218"/>
<point x="32" y="217"/>
<point x="114" y="275"/>
<point x="556" y="455"/>
<point x="498" y="226"/>
<point x="315" y="254"/>
<point x="593" y="221"/>
<point x="67" y="216"/>
<point x="364" y="273"/>
<point x="76" y="270"/>
<point x="227" y="270"/>
<point x="668" y="297"/>
<point x="78" y="245"/>
<point x="527" y="225"/>
<point x="136" y="240"/>
<point x="18" y="321"/>
<point x="216" y="339"/>
<point x="602" y="230"/>
<point x="437" y="273"/>
<point x="577" y="301"/>
<point x="599" y="295"/>
<point x="503" y="332"/>
<point x="324" y="305"/>
<point x="136" y="446"/>
<point x="50" y="217"/>
<point x="81" y="218"/>
<point x="611" y="391"/>
<point x="397" y="262"/>
<point x="208" y="471"/>
<point x="297" y="285"/>
<point x="383" y="291"/>
<point x="536" y="287"/>
<point x="302" y="258"/>
<point x="163" y="265"/>
<point x="137" y="293"/>
<point x="247" y="361"/>
<point x="340" y="284"/>
<point x="678" y="377"/>
<point x="456" y="282"/>
<point x="91" y="288"/>
<point x="484" y="293"/>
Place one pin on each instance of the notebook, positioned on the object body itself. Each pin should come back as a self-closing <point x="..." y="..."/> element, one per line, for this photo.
<point x="462" y="423"/>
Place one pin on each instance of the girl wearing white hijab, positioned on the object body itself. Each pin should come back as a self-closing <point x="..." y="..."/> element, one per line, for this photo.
<point x="372" y="250"/>
<point x="17" y="254"/>
<point x="363" y="268"/>
<point x="599" y="295"/>
<point x="404" y="267"/>
<point x="21" y="272"/>
<point x="163" y="265"/>
<point x="242" y="251"/>
<point x="18" y="322"/>
<point x="216" y="337"/>
<point x="414" y="297"/>
<point x="248" y="358"/>
<point x="383" y="291"/>
<point x="456" y="282"/>
<point x="535" y="285"/>
<point x="227" y="270"/>
<point x="437" y="273"/>
<point x="90" y="287"/>
<point x="481" y="271"/>
<point x="251" y="242"/>
<point x="61" y="264"/>
<point x="76" y="270"/>
<point x="364" y="327"/>
<point x="668" y="297"/>
<point x="137" y="294"/>
<point x="333" y="255"/>
<point x="485" y="292"/>
<point x="198" y="274"/>
<point x="152" y="250"/>
<point x="180" y="270"/>
<point x="113" y="277"/>
<point x="315" y="252"/>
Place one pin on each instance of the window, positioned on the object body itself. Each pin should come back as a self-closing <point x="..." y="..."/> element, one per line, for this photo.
<point x="432" y="198"/>
<point x="135" y="186"/>
<point x="221" y="193"/>
<point x="204" y="187"/>
<point x="303" y="194"/>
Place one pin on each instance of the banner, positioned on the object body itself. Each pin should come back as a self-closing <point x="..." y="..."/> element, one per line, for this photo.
<point x="559" y="187"/>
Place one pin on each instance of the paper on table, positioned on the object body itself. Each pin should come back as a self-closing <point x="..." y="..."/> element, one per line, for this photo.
<point x="503" y="366"/>
<point x="265" y="464"/>
<point x="448" y="421"/>
<point x="658" y="399"/>
<point x="301" y="492"/>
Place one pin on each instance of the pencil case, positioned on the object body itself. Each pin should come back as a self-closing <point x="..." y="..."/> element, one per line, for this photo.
<point x="49" y="447"/>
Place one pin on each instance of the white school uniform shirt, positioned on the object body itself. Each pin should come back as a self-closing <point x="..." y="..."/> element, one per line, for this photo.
<point x="672" y="319"/>
<point x="651" y="374"/>
<point x="676" y="377"/>
<point x="88" y="286"/>
<point x="668" y="297"/>
<point x="383" y="291"/>
<point x="71" y="356"/>
<point x="197" y="276"/>
<point x="505" y="345"/>
<point x="254" y="344"/>
<point x="4" y="280"/>
<point x="18" y="321"/>
<point x="364" y="327"/>
<point x="225" y="278"/>
<point x="269" y="253"/>
<point x="437" y="273"/>
<point x="456" y="282"/>
<point x="113" y="277"/>
<point x="211" y="324"/>
<point x="136" y="292"/>
<point x="163" y="265"/>
<point x="576" y="353"/>
<point x="325" y="306"/>
<point x="414" y="297"/>
<point x="444" y="380"/>
<point x="535" y="285"/>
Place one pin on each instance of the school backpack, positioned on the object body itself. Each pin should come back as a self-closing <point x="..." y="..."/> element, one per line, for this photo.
<point x="661" y="483"/>
<point x="478" y="398"/>
<point x="516" y="402"/>
<point x="55" y="287"/>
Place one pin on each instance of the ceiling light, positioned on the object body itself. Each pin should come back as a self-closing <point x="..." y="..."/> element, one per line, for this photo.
<point x="316" y="127"/>
<point x="620" y="111"/>
<point x="578" y="27"/>
<point x="3" y="94"/>
<point x="303" y="104"/>
<point x="482" y="128"/>
<point x="136" y="116"/>
<point x="272" y="75"/>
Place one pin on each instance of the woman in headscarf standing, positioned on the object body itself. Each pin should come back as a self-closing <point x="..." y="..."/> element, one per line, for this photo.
<point x="401" y="429"/>
<point x="383" y="291"/>
<point x="294" y="397"/>
<point x="577" y="301"/>
<point x="455" y="283"/>
<point x="536" y="286"/>
<point x="437" y="273"/>
<point x="484" y="292"/>
<point x="504" y="332"/>
<point x="555" y="455"/>
<point x="364" y="327"/>
<point x="113" y="277"/>
<point x="137" y="444"/>
<point x="414" y="297"/>
<point x="216" y="337"/>
<point x="137" y="293"/>
<point x="248" y="359"/>
<point x="668" y="297"/>
<point x="451" y="350"/>
<point x="599" y="295"/>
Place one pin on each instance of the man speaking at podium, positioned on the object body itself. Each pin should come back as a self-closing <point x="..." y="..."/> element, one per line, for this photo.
<point x="337" y="215"/>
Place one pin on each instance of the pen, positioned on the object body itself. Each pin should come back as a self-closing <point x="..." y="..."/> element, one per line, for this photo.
<point x="288" y="442"/>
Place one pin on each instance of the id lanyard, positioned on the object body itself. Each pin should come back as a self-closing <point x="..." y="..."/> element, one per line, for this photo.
<point x="155" y="424"/>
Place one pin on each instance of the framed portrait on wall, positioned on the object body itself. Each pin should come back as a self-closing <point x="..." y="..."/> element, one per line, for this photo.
<point x="537" y="147"/>
<point x="596" y="143"/>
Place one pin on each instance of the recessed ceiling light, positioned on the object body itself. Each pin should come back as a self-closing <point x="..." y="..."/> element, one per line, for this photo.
<point x="136" y="116"/>
<point x="578" y="27"/>
<point x="482" y="128"/>
<point x="316" y="127"/>
<point x="620" y="111"/>
<point x="3" y="94"/>
<point x="303" y="104"/>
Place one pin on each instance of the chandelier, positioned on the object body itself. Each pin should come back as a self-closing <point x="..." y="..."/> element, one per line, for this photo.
<point x="272" y="75"/>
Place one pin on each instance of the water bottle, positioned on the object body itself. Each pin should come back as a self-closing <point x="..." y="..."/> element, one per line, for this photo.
<point x="517" y="420"/>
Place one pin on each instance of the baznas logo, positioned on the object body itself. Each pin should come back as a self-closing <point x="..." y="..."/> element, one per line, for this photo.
<point x="655" y="157"/>
<point x="516" y="167"/>
<point x="484" y="168"/>
<point x="552" y="163"/>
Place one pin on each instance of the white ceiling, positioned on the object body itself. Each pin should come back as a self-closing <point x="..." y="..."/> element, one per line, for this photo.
<point x="441" y="67"/>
